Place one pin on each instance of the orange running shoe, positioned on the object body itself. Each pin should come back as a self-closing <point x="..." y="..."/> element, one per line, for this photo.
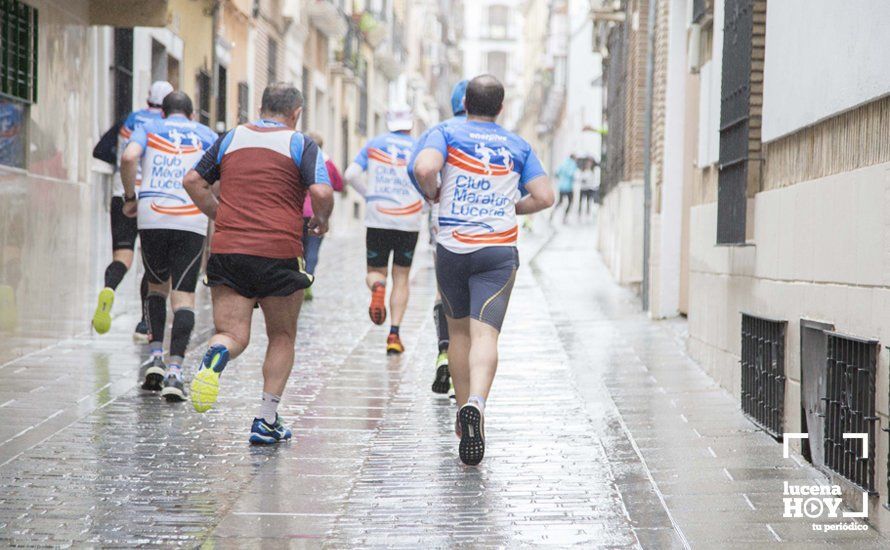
<point x="394" y="345"/>
<point x="377" y="310"/>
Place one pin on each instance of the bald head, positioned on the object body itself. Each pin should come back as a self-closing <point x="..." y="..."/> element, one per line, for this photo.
<point x="177" y="103"/>
<point x="484" y="97"/>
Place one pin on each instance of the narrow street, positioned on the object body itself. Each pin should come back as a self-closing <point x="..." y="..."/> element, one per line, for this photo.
<point x="601" y="432"/>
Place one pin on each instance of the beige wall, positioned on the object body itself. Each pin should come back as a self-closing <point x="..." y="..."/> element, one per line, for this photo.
<point x="799" y="267"/>
<point x="620" y="231"/>
<point x="47" y="213"/>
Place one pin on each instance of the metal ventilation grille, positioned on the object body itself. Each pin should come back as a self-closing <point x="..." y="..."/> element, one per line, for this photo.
<point x="850" y="408"/>
<point x="763" y="372"/>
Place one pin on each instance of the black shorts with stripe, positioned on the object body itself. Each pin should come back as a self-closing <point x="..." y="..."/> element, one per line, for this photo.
<point x="123" y="228"/>
<point x="174" y="255"/>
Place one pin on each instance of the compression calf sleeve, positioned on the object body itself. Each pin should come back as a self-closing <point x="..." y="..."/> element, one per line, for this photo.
<point x="114" y="273"/>
<point x="183" y="324"/>
<point x="156" y="312"/>
<point x="441" y="326"/>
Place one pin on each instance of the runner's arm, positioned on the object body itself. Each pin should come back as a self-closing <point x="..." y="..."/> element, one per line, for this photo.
<point x="198" y="181"/>
<point x="427" y="166"/>
<point x="539" y="197"/>
<point x="354" y="177"/>
<point x="129" y="167"/>
<point x="314" y="175"/>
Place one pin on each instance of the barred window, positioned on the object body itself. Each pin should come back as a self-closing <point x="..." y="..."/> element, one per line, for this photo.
<point x="18" y="44"/>
<point x="243" y="99"/>
<point x="203" y="110"/>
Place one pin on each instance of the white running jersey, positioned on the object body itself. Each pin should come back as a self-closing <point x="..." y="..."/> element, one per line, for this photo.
<point x="392" y="201"/>
<point x="133" y="121"/>
<point x="170" y="148"/>
<point x="485" y="173"/>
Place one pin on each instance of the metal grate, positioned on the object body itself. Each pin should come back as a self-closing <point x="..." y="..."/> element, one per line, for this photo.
<point x="243" y="99"/>
<point x="734" y="115"/>
<point x="615" y="70"/>
<point x="18" y="44"/>
<point x="763" y="372"/>
<point x="203" y="85"/>
<point x="850" y="408"/>
<point x="123" y="73"/>
<point x="699" y="10"/>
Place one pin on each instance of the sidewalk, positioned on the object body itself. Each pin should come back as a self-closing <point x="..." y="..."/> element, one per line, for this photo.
<point x="601" y="433"/>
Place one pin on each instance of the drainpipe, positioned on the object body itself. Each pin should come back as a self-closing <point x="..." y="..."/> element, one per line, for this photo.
<point x="647" y="152"/>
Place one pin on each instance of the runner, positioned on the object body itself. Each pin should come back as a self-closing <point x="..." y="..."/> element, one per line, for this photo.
<point x="442" y="381"/>
<point x="171" y="228"/>
<point x="123" y="229"/>
<point x="264" y="170"/>
<point x="489" y="175"/>
<point x="392" y="217"/>
<point x="312" y="243"/>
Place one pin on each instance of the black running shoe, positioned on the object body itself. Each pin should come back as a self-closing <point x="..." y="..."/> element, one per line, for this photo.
<point x="441" y="383"/>
<point x="472" y="434"/>
<point x="173" y="389"/>
<point x="154" y="373"/>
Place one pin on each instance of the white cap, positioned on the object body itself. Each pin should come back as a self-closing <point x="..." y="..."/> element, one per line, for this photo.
<point x="158" y="91"/>
<point x="399" y="119"/>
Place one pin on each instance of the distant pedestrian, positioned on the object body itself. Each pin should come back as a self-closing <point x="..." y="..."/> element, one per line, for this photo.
<point x="477" y="258"/>
<point x="587" y="185"/>
<point x="565" y="176"/>
<point x="311" y="241"/>
<point x="393" y="216"/>
<point x="264" y="170"/>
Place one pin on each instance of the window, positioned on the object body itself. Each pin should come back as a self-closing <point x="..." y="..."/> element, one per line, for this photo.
<point x="123" y="73"/>
<point x="18" y="63"/>
<point x="496" y="64"/>
<point x="221" y="98"/>
<point x="158" y="61"/>
<point x="173" y="71"/>
<point x="18" y="78"/>
<point x="203" y="96"/>
<point x="498" y="21"/>
<point x="243" y="100"/>
<point x="272" y="69"/>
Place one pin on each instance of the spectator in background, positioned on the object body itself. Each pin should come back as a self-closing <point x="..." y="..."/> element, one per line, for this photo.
<point x="565" y="175"/>
<point x="587" y="184"/>
<point x="311" y="241"/>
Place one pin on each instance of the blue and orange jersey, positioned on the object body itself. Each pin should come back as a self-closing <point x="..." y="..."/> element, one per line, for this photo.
<point x="486" y="170"/>
<point x="170" y="147"/>
<point x="133" y="121"/>
<point x="421" y="144"/>
<point x="392" y="201"/>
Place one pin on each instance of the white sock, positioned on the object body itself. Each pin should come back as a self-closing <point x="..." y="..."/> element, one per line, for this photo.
<point x="477" y="400"/>
<point x="269" y="407"/>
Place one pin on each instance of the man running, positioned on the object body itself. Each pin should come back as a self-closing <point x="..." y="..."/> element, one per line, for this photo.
<point x="123" y="228"/>
<point x="264" y="170"/>
<point x="172" y="231"/>
<point x="476" y="260"/>
<point x="392" y="217"/>
<point x="442" y="381"/>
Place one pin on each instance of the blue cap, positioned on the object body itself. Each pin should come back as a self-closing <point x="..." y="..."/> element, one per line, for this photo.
<point x="457" y="97"/>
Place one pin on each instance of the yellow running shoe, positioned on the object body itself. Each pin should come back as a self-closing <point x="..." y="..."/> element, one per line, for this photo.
<point x="102" y="316"/>
<point x="205" y="384"/>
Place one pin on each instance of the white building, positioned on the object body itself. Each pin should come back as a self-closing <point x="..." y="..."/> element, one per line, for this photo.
<point x="493" y="44"/>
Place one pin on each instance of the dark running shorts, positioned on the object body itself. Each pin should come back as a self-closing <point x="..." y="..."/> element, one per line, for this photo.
<point x="172" y="254"/>
<point x="380" y="242"/>
<point x="256" y="276"/>
<point x="477" y="284"/>
<point x="123" y="229"/>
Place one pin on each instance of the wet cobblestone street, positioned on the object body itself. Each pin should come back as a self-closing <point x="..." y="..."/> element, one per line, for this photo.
<point x="601" y="432"/>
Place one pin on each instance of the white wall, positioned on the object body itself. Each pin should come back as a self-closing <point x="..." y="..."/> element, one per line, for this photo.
<point x="584" y="100"/>
<point x="822" y="57"/>
<point x="709" y="96"/>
